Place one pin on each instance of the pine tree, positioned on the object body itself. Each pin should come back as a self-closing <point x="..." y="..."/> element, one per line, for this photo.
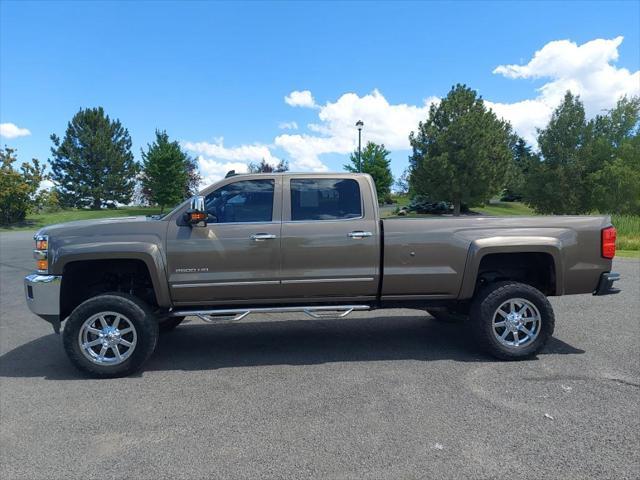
<point x="461" y="153"/>
<point x="167" y="171"/>
<point x="93" y="163"/>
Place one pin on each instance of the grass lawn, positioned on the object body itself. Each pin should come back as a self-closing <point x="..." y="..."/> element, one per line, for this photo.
<point x="38" y="220"/>
<point x="628" y="253"/>
<point x="503" y="209"/>
<point x="401" y="200"/>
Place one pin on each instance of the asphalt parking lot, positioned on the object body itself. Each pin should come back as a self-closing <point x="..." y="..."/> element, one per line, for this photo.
<point x="390" y="394"/>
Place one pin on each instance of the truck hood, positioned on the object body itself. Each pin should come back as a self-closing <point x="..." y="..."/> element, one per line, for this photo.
<point x="92" y="227"/>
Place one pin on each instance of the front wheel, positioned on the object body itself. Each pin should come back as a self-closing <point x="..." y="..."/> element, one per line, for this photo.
<point x="110" y="335"/>
<point x="512" y="320"/>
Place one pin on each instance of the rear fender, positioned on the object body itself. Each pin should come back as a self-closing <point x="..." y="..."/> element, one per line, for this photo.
<point x="521" y="244"/>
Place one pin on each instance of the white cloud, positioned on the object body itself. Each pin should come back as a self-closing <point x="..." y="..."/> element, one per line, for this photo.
<point x="10" y="130"/>
<point x="525" y="116"/>
<point x="587" y="70"/>
<point x="215" y="160"/>
<point x="384" y="123"/>
<point x="299" y="98"/>
<point x="46" y="184"/>
<point x="250" y="153"/>
<point x="288" y="125"/>
<point x="212" y="170"/>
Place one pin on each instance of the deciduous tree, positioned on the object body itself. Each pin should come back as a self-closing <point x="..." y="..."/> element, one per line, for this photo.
<point x="461" y="152"/>
<point x="375" y="161"/>
<point x="17" y="187"/>
<point x="264" y="167"/>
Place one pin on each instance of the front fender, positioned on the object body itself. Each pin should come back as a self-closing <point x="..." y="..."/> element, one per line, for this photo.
<point x="149" y="253"/>
<point x="509" y="244"/>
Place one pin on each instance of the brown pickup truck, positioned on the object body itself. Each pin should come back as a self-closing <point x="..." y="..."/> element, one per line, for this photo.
<point x="309" y="243"/>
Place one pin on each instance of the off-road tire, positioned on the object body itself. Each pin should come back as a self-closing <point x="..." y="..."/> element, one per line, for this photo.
<point x="484" y="307"/>
<point x="167" y="324"/>
<point x="135" y="310"/>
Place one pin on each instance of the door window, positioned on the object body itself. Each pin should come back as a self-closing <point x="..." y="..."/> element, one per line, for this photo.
<point x="244" y="201"/>
<point x="325" y="199"/>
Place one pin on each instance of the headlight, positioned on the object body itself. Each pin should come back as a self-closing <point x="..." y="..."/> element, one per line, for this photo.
<point x="41" y="253"/>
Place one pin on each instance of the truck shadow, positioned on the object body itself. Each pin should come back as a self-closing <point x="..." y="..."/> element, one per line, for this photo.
<point x="197" y="346"/>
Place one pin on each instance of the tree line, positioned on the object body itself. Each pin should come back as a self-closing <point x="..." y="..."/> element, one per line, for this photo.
<point x="462" y="153"/>
<point x="92" y="166"/>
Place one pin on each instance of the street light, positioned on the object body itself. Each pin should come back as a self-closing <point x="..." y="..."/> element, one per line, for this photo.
<point x="359" y="125"/>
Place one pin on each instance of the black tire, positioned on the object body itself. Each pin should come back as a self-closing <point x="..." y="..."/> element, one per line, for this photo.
<point x="136" y="312"/>
<point x="167" y="324"/>
<point x="485" y="306"/>
<point x="445" y="315"/>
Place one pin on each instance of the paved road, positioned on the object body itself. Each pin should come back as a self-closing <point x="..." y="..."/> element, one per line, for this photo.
<point x="379" y="395"/>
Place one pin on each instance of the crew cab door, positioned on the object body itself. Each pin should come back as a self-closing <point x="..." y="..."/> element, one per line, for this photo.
<point x="330" y="237"/>
<point x="236" y="257"/>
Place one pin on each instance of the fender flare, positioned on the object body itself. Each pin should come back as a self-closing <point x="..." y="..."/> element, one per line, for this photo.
<point x="149" y="253"/>
<point x="522" y="244"/>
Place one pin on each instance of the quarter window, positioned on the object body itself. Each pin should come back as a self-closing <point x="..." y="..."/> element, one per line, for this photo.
<point x="325" y="199"/>
<point x="244" y="201"/>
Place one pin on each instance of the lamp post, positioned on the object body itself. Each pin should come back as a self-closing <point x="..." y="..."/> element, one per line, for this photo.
<point x="359" y="125"/>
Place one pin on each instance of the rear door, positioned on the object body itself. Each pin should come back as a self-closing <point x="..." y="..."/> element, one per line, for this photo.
<point x="236" y="257"/>
<point x="330" y="237"/>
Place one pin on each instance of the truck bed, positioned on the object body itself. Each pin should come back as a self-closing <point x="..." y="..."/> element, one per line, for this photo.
<point x="438" y="258"/>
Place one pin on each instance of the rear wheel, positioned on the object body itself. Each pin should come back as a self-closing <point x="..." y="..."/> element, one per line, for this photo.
<point x="110" y="335"/>
<point x="512" y="320"/>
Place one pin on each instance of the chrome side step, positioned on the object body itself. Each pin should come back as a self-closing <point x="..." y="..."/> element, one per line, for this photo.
<point x="235" y="314"/>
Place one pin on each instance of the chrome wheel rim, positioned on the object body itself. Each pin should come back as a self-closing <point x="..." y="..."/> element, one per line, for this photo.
<point x="107" y="338"/>
<point x="516" y="323"/>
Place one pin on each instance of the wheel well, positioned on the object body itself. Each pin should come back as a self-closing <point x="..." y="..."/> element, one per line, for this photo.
<point x="85" y="279"/>
<point x="534" y="268"/>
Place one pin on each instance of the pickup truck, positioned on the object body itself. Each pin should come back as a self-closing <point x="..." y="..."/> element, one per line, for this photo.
<point x="308" y="243"/>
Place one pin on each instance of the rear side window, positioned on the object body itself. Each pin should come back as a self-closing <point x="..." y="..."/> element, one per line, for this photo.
<point x="325" y="199"/>
<point x="246" y="201"/>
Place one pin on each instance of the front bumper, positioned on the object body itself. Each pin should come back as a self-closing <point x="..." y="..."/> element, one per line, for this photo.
<point x="605" y="285"/>
<point x="43" y="296"/>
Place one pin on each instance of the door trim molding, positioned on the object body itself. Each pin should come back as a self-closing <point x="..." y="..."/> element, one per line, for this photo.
<point x="273" y="282"/>
<point x="328" y="280"/>
<point x="225" y="284"/>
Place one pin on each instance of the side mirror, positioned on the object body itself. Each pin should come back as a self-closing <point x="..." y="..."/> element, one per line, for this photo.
<point x="196" y="215"/>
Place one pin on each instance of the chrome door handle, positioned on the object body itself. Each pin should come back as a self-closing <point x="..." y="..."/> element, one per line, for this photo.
<point x="258" y="237"/>
<point x="359" y="234"/>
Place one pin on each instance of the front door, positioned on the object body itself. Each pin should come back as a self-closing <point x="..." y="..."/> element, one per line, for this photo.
<point x="330" y="238"/>
<point x="236" y="257"/>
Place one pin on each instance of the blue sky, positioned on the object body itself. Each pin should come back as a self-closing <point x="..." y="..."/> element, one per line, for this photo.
<point x="215" y="75"/>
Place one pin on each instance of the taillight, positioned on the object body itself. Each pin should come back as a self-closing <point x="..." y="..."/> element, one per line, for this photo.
<point x="609" y="242"/>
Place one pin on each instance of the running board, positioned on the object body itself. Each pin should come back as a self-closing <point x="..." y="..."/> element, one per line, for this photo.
<point x="235" y="314"/>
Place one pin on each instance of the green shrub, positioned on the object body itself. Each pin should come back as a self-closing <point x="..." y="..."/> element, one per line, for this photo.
<point x="628" y="228"/>
<point x="17" y="188"/>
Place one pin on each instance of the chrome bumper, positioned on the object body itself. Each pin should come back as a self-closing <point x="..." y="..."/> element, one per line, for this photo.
<point x="43" y="295"/>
